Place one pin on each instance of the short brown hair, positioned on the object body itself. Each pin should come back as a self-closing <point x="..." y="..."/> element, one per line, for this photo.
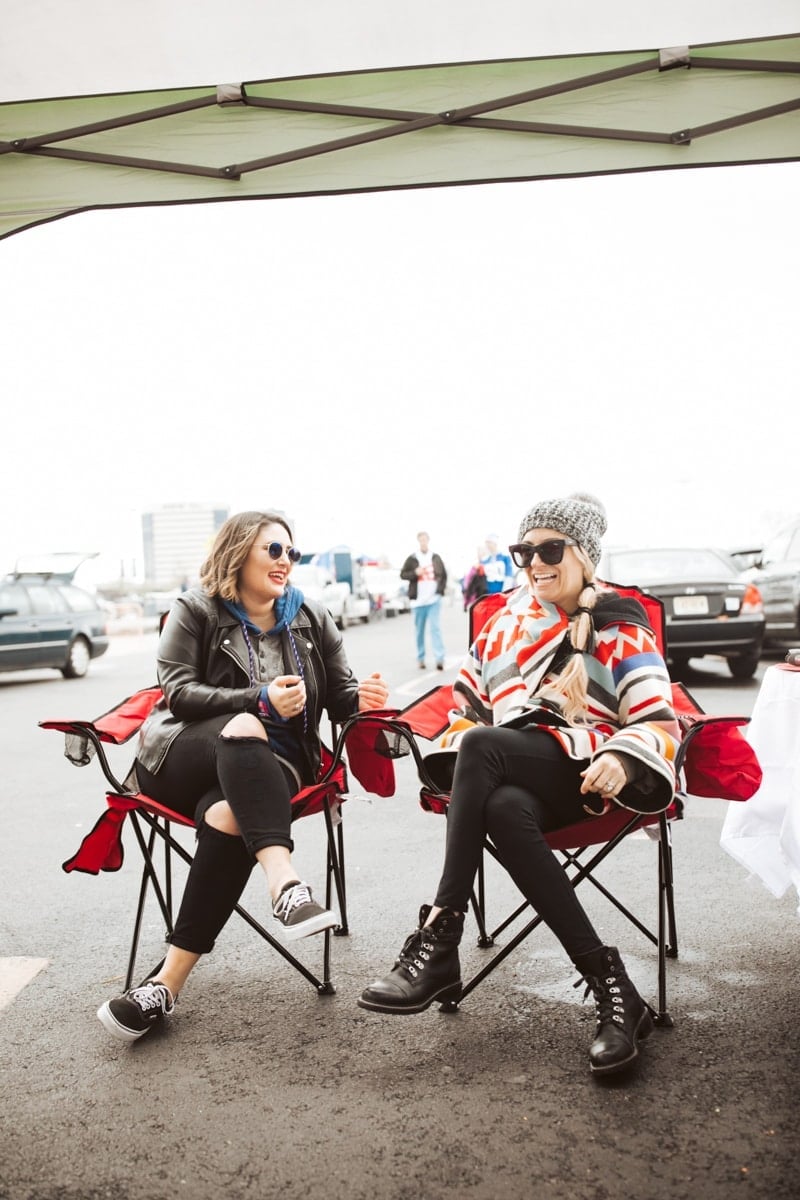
<point x="219" y="574"/>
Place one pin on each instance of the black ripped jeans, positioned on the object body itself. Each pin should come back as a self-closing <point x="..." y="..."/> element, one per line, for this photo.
<point x="515" y="785"/>
<point x="201" y="768"/>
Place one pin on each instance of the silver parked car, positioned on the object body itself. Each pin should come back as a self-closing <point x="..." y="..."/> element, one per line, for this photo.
<point x="318" y="584"/>
<point x="776" y="574"/>
<point x="389" y="591"/>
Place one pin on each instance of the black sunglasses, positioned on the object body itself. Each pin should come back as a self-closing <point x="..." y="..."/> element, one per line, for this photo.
<point x="275" y="550"/>
<point x="550" y="552"/>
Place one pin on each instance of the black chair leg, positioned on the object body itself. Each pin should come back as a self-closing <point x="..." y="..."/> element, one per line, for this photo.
<point x="334" y="871"/>
<point x="485" y="939"/>
<point x="323" y="986"/>
<point x="672" y="928"/>
<point x="666" y="923"/>
<point x="149" y="876"/>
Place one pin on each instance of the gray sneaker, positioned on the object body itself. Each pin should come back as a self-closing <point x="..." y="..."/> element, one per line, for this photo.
<point x="298" y="913"/>
<point x="131" y="1015"/>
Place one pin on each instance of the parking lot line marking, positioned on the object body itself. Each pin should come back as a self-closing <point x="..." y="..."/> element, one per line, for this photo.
<point x="418" y="684"/>
<point x="17" y="973"/>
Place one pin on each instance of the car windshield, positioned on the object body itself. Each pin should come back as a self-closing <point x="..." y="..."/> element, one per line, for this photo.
<point x="655" y="566"/>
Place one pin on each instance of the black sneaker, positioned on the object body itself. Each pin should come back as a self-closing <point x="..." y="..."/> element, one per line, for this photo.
<point x="131" y="1015"/>
<point x="298" y="913"/>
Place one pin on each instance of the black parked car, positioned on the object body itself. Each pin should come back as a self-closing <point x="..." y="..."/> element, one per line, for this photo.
<point x="46" y="621"/>
<point x="709" y="609"/>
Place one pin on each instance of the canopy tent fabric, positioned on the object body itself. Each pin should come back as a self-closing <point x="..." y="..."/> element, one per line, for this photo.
<point x="497" y="120"/>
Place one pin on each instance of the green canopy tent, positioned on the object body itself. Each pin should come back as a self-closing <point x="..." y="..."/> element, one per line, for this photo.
<point x="500" y="119"/>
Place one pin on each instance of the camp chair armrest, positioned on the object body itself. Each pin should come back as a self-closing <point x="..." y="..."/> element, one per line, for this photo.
<point x="342" y="729"/>
<point x="716" y="759"/>
<point x="83" y="741"/>
<point x="400" y="737"/>
<point x="71" y="726"/>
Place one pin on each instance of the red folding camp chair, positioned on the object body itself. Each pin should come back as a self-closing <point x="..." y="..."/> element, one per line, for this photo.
<point x="713" y="760"/>
<point x="102" y="848"/>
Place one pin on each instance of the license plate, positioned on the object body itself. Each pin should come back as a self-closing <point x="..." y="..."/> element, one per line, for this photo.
<point x="689" y="606"/>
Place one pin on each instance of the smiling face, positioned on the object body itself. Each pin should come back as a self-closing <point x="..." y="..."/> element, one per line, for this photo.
<point x="262" y="578"/>
<point x="561" y="584"/>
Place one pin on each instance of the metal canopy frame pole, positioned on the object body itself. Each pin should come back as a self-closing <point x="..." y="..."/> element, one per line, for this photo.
<point x="407" y="122"/>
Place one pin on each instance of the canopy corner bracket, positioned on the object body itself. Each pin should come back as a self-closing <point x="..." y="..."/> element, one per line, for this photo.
<point x="674" y="56"/>
<point x="231" y="93"/>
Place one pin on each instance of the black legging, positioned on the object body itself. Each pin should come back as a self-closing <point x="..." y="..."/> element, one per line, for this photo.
<point x="201" y="768"/>
<point x="515" y="785"/>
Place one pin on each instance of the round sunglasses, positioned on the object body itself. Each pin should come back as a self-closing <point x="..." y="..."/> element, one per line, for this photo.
<point x="550" y="552"/>
<point x="276" y="549"/>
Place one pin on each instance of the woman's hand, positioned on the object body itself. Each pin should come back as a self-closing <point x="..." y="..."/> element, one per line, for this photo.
<point x="287" y="695"/>
<point x="605" y="775"/>
<point x="372" y="693"/>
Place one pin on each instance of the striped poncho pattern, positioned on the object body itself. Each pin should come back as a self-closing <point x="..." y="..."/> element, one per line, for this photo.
<point x="506" y="675"/>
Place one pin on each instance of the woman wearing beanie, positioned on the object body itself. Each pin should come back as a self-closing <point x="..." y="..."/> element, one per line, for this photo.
<point x="566" y="709"/>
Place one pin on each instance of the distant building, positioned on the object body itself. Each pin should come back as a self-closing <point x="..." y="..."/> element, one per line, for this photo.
<point x="177" y="539"/>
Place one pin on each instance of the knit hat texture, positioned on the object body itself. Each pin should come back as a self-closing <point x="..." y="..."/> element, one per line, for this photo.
<point x="579" y="516"/>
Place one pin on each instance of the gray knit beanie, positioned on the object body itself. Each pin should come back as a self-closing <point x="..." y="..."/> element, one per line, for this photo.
<point x="579" y="516"/>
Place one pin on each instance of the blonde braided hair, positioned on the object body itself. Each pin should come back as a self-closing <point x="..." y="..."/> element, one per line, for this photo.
<point x="572" y="683"/>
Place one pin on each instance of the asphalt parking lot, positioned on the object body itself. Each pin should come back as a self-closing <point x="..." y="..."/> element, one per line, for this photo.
<point x="261" y="1088"/>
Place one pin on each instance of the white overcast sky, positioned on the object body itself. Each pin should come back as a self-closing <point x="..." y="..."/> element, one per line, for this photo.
<point x="376" y="364"/>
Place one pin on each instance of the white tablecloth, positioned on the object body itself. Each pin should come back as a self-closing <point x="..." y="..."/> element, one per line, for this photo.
<point x="763" y="833"/>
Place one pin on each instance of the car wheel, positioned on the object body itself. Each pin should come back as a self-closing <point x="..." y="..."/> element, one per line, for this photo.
<point x="744" y="667"/>
<point x="78" y="657"/>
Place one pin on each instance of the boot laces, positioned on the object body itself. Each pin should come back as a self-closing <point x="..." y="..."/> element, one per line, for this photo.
<point x="415" y="954"/>
<point x="608" y="998"/>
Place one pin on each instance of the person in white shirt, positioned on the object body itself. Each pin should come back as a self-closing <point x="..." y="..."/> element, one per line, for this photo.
<point x="427" y="578"/>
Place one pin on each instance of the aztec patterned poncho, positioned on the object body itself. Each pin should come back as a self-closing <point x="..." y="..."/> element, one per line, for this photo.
<point x="506" y="679"/>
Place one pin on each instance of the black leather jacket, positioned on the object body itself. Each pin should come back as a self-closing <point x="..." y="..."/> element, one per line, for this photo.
<point x="203" y="672"/>
<point x="408" y="571"/>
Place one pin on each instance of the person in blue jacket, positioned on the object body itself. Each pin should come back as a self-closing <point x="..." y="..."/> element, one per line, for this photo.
<point x="497" y="567"/>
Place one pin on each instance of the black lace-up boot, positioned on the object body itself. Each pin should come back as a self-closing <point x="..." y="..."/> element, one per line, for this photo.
<point x="623" y="1017"/>
<point x="426" y="969"/>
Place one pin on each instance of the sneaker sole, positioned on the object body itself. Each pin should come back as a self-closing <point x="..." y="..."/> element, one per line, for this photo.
<point x="447" y="995"/>
<point x="318" y="924"/>
<point x="112" y="1025"/>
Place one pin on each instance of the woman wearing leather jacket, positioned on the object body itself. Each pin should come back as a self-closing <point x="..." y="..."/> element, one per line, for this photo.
<point x="246" y="665"/>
